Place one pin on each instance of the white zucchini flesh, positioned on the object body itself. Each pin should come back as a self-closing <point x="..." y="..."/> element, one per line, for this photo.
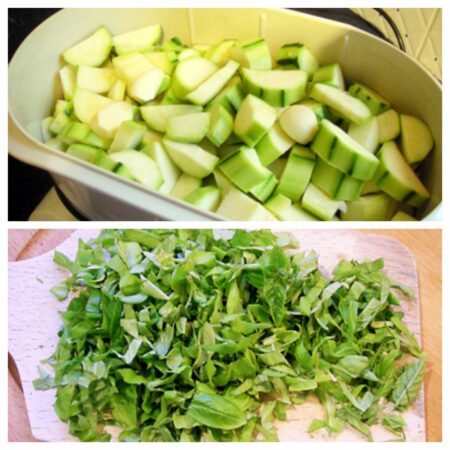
<point x="316" y="202"/>
<point x="93" y="51"/>
<point x="395" y="177"/>
<point x="108" y="119"/>
<point x="221" y="124"/>
<point x="147" y="86"/>
<point x="128" y="136"/>
<point x="68" y="78"/>
<point x="190" y="74"/>
<point x="204" y="93"/>
<point x="185" y="185"/>
<point x="372" y="207"/>
<point x="140" y="40"/>
<point x="402" y="216"/>
<point x="191" y="158"/>
<point x="416" y="139"/>
<point x="388" y="126"/>
<point x="237" y="206"/>
<point x="169" y="171"/>
<point x="282" y="207"/>
<point x="366" y="134"/>
<point x="87" y="104"/>
<point x="188" y="127"/>
<point x="95" y="79"/>
<point x="157" y="116"/>
<point x="131" y="66"/>
<point x="349" y="107"/>
<point x="141" y="167"/>
<point x="299" y="123"/>
<point x="253" y="120"/>
<point x="117" y="91"/>
<point x="220" y="53"/>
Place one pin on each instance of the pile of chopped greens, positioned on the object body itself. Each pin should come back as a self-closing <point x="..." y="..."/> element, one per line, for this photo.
<point x="189" y="335"/>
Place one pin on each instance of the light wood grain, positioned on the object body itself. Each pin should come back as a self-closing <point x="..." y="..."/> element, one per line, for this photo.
<point x="426" y="246"/>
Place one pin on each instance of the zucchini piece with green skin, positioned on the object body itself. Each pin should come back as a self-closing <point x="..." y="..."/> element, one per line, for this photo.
<point x="402" y="216"/>
<point x="141" y="167"/>
<point x="169" y="98"/>
<point x="366" y="134"/>
<point x="169" y="171"/>
<point x="220" y="52"/>
<point x="388" y="126"/>
<point x="117" y="91"/>
<point x="204" y="93"/>
<point x="84" y="152"/>
<point x="68" y="78"/>
<point x="131" y="66"/>
<point x="316" y="202"/>
<point x="63" y="106"/>
<point x="191" y="158"/>
<point x="335" y="183"/>
<point x="157" y="116"/>
<point x="231" y="96"/>
<point x="253" y="120"/>
<point x="93" y="51"/>
<point x="370" y="188"/>
<point x="206" y="198"/>
<point x="150" y="136"/>
<point x="224" y="184"/>
<point x="123" y="172"/>
<point x="372" y="207"/>
<point x="77" y="132"/>
<point x="236" y="205"/>
<point x="46" y="134"/>
<point x="276" y="87"/>
<point x="140" y="40"/>
<point x="174" y="44"/>
<point x="56" y="144"/>
<point x="220" y="125"/>
<point x="370" y="98"/>
<point x="188" y="127"/>
<point x="87" y="104"/>
<point x="297" y="172"/>
<point x="331" y="74"/>
<point x="104" y="161"/>
<point x="265" y="189"/>
<point x="59" y="122"/>
<point x="108" y="119"/>
<point x="283" y="209"/>
<point x="273" y="145"/>
<point x="128" y="136"/>
<point x="299" y="123"/>
<point x="395" y="177"/>
<point x="278" y="166"/>
<point x="252" y="54"/>
<point x="298" y="56"/>
<point x="166" y="61"/>
<point x="339" y="150"/>
<point x="148" y="85"/>
<point x="95" y="79"/>
<point x="190" y="74"/>
<point x="185" y="185"/>
<point x="342" y="102"/>
<point x="321" y="111"/>
<point x="244" y="169"/>
<point x="416" y="139"/>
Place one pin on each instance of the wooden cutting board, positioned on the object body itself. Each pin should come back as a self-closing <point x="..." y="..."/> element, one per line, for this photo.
<point x="33" y="318"/>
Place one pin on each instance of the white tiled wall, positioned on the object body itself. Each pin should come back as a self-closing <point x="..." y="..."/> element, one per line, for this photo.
<point x="421" y="29"/>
